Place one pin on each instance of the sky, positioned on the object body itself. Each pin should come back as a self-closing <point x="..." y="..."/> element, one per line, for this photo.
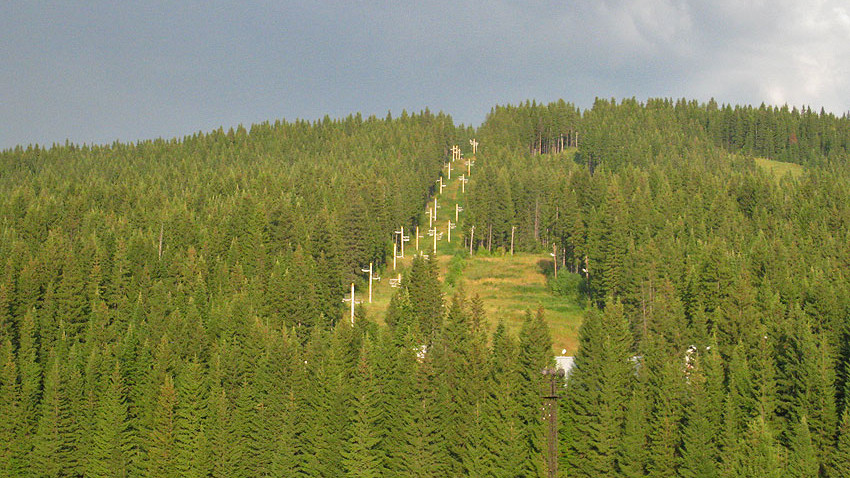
<point x="97" y="72"/>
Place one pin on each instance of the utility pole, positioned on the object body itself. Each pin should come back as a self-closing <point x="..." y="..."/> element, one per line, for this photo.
<point x="433" y="232"/>
<point x="371" y="278"/>
<point x="449" y="229"/>
<point x="351" y="299"/>
<point x="435" y="208"/>
<point x="474" y="146"/>
<point x="463" y="180"/>
<point x="418" y="236"/>
<point x="469" y="164"/>
<point x="449" y="166"/>
<point x="402" y="239"/>
<point x="471" y="237"/>
<point x="513" y="228"/>
<point x="395" y="249"/>
<point x="440" y="181"/>
<point x="550" y="407"/>
<point x="457" y="210"/>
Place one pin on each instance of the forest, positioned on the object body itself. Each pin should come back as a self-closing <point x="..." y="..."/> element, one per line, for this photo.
<point x="175" y="307"/>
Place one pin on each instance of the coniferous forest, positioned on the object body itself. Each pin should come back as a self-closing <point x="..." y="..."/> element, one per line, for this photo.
<point x="175" y="307"/>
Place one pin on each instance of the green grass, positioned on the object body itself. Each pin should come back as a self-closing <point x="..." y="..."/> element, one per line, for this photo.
<point x="508" y="285"/>
<point x="779" y="169"/>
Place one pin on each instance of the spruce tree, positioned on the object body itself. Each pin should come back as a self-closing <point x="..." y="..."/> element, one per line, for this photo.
<point x="13" y="423"/>
<point x="362" y="457"/>
<point x="599" y="390"/>
<point x="161" y="457"/>
<point x="535" y="355"/>
<point x="802" y="459"/>
<point x="111" y="434"/>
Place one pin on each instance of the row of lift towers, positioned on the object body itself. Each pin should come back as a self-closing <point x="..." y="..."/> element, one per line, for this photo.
<point x="399" y="238"/>
<point x="555" y="375"/>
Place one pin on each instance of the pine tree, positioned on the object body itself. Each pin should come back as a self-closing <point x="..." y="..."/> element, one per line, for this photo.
<point x="632" y="454"/>
<point x="759" y="454"/>
<point x="362" y="456"/>
<point x="802" y="460"/>
<point x="840" y="465"/>
<point x="161" y="458"/>
<point x="13" y="423"/>
<point x="502" y="407"/>
<point x="700" y="454"/>
<point x="599" y="390"/>
<point x="535" y="355"/>
<point x="111" y="434"/>
<point x="190" y="440"/>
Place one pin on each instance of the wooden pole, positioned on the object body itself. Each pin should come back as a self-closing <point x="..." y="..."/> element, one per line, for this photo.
<point x="435" y="240"/>
<point x="430" y="219"/>
<point x="401" y="240"/>
<point x="449" y="230"/>
<point x="471" y="238"/>
<point x="456" y="211"/>
<point x="395" y="248"/>
<point x="370" y="282"/>
<point x="513" y="228"/>
<point x="417" y="237"/>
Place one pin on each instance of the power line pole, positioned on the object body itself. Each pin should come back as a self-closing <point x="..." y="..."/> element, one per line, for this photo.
<point x="457" y="210"/>
<point x="351" y="299"/>
<point x="471" y="237"/>
<point x="550" y="407"/>
<point x="513" y="228"/>
<point x="474" y="144"/>
<point x="463" y="181"/>
<point x="371" y="278"/>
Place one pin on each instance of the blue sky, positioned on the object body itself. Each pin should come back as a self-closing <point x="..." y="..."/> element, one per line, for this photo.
<point x="96" y="72"/>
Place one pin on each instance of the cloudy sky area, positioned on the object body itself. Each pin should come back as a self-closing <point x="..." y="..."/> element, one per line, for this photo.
<point x="95" y="72"/>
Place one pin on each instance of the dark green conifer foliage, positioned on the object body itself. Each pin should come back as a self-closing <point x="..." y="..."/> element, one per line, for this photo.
<point x="599" y="391"/>
<point x="840" y="463"/>
<point x="110" y="451"/>
<point x="502" y="406"/>
<point x="13" y="424"/>
<point x="700" y="452"/>
<point x="802" y="459"/>
<point x="161" y="450"/>
<point x="362" y="457"/>
<point x="758" y="454"/>
<point x="425" y="295"/>
<point x="535" y="354"/>
<point x="191" y="444"/>
<point x="632" y="454"/>
<point x="666" y="376"/>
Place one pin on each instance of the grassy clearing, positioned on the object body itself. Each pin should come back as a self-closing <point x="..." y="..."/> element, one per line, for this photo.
<point x="779" y="169"/>
<point x="508" y="285"/>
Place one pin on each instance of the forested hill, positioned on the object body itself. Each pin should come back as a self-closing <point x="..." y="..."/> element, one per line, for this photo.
<point x="719" y="347"/>
<point x="172" y="308"/>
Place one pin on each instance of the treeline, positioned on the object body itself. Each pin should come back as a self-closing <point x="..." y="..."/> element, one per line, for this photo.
<point x="792" y="135"/>
<point x="720" y="343"/>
